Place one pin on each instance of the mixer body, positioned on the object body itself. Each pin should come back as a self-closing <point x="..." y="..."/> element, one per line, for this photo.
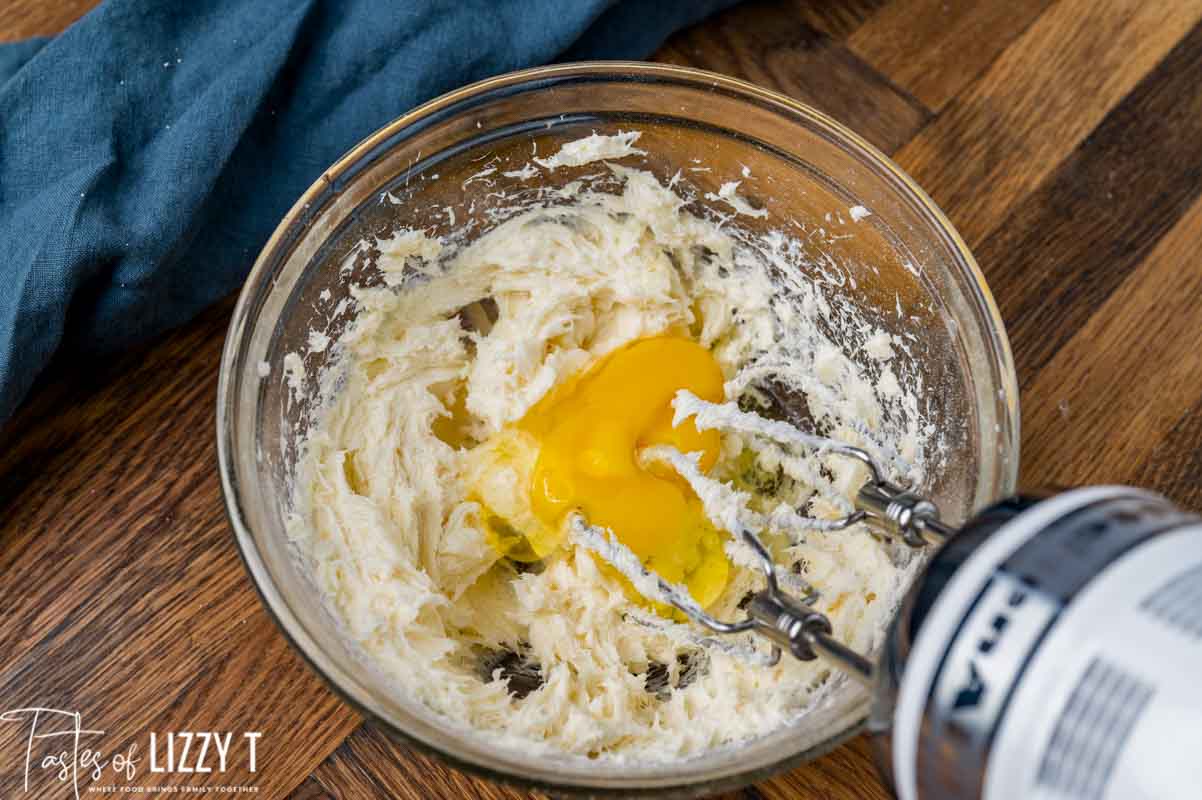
<point x="1051" y="649"/>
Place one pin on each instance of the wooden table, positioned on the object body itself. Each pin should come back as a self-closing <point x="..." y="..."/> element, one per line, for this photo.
<point x="1063" y="138"/>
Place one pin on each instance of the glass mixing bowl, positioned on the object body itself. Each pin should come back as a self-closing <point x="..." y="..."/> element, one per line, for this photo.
<point x="802" y="166"/>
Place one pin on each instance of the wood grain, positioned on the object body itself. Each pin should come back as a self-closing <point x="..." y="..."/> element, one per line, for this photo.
<point x="933" y="48"/>
<point x="1115" y="390"/>
<point x="1116" y="194"/>
<point x="765" y="43"/>
<point x="838" y="20"/>
<point x="1174" y="465"/>
<point x="22" y="19"/>
<point x="1002" y="136"/>
<point x="846" y="774"/>
<point x="124" y="597"/>
<point x="369" y="764"/>
<point x="1063" y="137"/>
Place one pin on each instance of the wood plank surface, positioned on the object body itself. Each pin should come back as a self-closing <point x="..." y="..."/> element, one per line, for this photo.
<point x="767" y="44"/>
<point x="1006" y="132"/>
<point x="933" y="49"/>
<point x="1063" y="138"/>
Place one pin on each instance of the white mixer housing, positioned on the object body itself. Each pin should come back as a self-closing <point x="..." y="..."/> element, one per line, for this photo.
<point x="1052" y="649"/>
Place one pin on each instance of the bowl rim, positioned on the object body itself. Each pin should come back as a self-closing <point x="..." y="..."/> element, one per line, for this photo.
<point x="294" y="631"/>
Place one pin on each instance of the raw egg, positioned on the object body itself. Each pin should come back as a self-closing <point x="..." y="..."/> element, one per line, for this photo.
<point x="589" y="432"/>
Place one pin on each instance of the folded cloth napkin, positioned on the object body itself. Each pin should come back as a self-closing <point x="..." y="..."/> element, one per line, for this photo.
<point x="148" y="151"/>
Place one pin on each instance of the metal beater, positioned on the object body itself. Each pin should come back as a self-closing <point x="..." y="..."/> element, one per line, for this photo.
<point x="1052" y="647"/>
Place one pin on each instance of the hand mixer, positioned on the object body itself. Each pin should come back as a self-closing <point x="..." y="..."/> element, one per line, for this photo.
<point x="1052" y="648"/>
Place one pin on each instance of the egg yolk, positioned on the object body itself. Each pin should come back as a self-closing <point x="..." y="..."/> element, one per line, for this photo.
<point x="590" y="431"/>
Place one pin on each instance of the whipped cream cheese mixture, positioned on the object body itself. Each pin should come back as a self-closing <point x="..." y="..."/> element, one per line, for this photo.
<point x="413" y="499"/>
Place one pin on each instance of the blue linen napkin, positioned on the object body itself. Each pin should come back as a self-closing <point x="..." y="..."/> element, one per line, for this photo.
<point x="148" y="151"/>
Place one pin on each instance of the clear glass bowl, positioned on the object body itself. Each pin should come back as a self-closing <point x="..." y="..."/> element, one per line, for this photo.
<point x="805" y="165"/>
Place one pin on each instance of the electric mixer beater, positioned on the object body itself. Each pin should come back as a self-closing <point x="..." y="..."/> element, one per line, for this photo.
<point x="1051" y="648"/>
